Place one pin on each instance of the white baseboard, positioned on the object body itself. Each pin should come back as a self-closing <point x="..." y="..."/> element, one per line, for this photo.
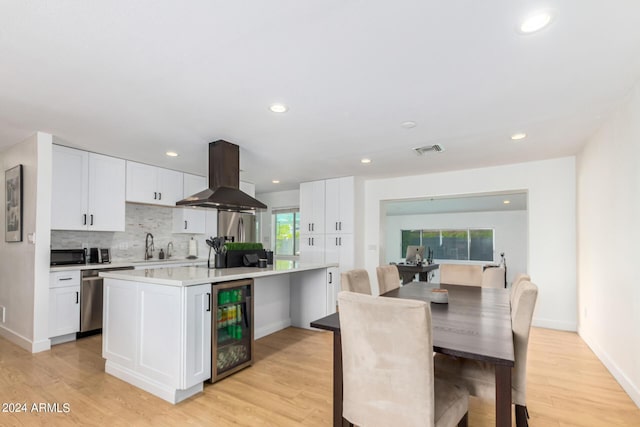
<point x="627" y="385"/>
<point x="63" y="339"/>
<point x="554" y="324"/>
<point x="23" y="342"/>
<point x="265" y="330"/>
<point x="163" y="391"/>
<point x="42" y="345"/>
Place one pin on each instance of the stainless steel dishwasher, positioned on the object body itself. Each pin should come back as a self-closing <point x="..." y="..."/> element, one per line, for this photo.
<point x="91" y="300"/>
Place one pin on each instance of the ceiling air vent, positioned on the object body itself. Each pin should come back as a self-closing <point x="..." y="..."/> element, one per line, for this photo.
<point x="427" y="148"/>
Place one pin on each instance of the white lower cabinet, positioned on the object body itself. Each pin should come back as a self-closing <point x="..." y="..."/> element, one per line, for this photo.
<point x="333" y="287"/>
<point x="339" y="249"/>
<point x="64" y="310"/>
<point x="198" y="340"/>
<point x="64" y="305"/>
<point x="158" y="337"/>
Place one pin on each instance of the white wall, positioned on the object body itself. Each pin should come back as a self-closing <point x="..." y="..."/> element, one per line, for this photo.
<point x="276" y="200"/>
<point x="608" y="181"/>
<point x="24" y="266"/>
<point x="510" y="234"/>
<point x="551" y="226"/>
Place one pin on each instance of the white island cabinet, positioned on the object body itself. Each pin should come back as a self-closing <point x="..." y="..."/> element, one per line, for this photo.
<point x="158" y="337"/>
<point x="157" y="332"/>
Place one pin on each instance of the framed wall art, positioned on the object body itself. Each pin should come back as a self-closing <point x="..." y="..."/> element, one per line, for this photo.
<point x="13" y="220"/>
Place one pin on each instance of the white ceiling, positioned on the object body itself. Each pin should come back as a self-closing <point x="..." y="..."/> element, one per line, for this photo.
<point x="136" y="78"/>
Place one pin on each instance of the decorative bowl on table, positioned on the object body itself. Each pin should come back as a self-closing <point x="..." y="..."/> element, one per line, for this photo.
<point x="439" y="296"/>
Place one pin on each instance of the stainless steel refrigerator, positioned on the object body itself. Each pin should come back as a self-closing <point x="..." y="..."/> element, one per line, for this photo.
<point x="237" y="226"/>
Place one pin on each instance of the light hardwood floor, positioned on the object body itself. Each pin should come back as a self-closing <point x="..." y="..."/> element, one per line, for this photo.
<point x="289" y="385"/>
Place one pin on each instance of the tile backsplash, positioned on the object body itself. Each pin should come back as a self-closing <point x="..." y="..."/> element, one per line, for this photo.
<point x="129" y="244"/>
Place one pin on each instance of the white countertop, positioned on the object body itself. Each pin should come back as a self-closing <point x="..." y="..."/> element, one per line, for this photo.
<point x="194" y="275"/>
<point x="150" y="263"/>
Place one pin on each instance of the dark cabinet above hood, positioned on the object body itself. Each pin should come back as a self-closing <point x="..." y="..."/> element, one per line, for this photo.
<point x="224" y="182"/>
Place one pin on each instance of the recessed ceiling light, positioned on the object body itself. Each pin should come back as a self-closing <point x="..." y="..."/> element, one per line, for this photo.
<point x="518" y="136"/>
<point x="171" y="154"/>
<point x="535" y="22"/>
<point x="276" y="181"/>
<point x="278" y="108"/>
<point x="365" y="161"/>
<point x="408" y="124"/>
<point x="506" y="202"/>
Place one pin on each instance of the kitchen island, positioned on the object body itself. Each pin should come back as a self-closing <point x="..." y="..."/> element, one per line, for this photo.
<point x="157" y="322"/>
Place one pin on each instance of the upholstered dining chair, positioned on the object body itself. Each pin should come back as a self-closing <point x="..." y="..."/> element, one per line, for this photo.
<point x="461" y="274"/>
<point x="387" y="366"/>
<point x="479" y="377"/>
<point x="522" y="277"/>
<point x="388" y="278"/>
<point x="356" y="281"/>
<point x="493" y="277"/>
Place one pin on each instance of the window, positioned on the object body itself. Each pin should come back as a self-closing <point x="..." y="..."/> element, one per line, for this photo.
<point x="461" y="244"/>
<point x="287" y="233"/>
<point x="481" y="245"/>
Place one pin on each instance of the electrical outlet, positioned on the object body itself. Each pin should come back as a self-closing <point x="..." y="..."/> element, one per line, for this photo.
<point x="585" y="312"/>
<point x="2" y="312"/>
<point x="123" y="246"/>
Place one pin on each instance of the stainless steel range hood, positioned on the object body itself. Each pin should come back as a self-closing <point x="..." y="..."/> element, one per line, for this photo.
<point x="224" y="182"/>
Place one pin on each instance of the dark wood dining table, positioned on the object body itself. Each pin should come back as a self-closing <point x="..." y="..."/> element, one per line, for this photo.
<point x="474" y="324"/>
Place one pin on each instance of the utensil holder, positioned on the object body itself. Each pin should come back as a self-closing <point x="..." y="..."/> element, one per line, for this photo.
<point x="220" y="261"/>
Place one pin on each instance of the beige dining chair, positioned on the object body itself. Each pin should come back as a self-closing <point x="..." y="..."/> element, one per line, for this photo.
<point x="522" y="277"/>
<point x="388" y="278"/>
<point x="461" y="274"/>
<point x="356" y="281"/>
<point x="493" y="277"/>
<point x="387" y="366"/>
<point x="479" y="377"/>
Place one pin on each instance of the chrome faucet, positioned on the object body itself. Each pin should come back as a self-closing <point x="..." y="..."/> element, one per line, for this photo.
<point x="148" y="246"/>
<point x="169" y="249"/>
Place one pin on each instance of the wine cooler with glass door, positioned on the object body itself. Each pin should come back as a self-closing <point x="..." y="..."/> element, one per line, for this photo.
<point x="232" y="343"/>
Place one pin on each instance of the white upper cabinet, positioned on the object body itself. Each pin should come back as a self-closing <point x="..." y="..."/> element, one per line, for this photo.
<point x="312" y="205"/>
<point x="339" y="193"/>
<point x="106" y="193"/>
<point x="170" y="186"/>
<point x="87" y="191"/>
<point x="189" y="220"/>
<point x="326" y="225"/>
<point x="248" y="187"/>
<point x="154" y="185"/>
<point x="194" y="184"/>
